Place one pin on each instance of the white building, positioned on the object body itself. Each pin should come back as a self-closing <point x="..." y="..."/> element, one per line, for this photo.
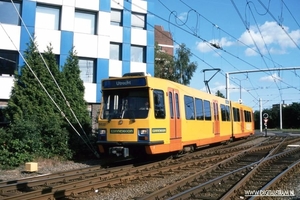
<point x="111" y="37"/>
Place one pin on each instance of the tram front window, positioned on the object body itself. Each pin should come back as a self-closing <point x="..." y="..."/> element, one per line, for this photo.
<point x="125" y="104"/>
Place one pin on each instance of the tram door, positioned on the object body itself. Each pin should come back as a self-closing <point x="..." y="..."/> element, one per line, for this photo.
<point x="175" y="123"/>
<point x="242" y="120"/>
<point x="216" y="118"/>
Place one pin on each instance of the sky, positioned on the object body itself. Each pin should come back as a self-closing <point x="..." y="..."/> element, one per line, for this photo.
<point x="247" y="37"/>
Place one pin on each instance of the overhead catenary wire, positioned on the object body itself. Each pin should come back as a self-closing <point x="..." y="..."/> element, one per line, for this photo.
<point x="205" y="41"/>
<point x="87" y="141"/>
<point x="184" y="23"/>
<point x="219" y="47"/>
<point x="246" y="25"/>
<point x="238" y="40"/>
<point x="222" y="49"/>
<point x="258" y="49"/>
<point x="280" y="24"/>
<point x="290" y="13"/>
<point x="43" y="87"/>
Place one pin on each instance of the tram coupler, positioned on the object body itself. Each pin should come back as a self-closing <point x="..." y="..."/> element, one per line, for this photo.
<point x="119" y="151"/>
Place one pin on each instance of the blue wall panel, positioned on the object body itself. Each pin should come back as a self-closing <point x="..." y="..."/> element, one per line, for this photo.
<point x="126" y="52"/>
<point x="150" y="60"/>
<point x="102" y="73"/>
<point x="150" y="38"/>
<point x="66" y="45"/>
<point x="125" y="67"/>
<point x="27" y="30"/>
<point x="105" y="6"/>
<point x="127" y="14"/>
<point x="126" y="35"/>
<point x="150" y="17"/>
<point x="28" y="12"/>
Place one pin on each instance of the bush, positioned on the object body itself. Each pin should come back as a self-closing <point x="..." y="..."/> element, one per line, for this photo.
<point x="15" y="150"/>
<point x="27" y="140"/>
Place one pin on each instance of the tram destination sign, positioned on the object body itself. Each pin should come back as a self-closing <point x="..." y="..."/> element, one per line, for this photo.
<point x="119" y="83"/>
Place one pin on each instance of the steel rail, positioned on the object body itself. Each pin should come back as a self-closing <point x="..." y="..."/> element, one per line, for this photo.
<point x="187" y="181"/>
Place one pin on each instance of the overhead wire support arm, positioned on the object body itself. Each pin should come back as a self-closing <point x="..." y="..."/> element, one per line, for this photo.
<point x="206" y="81"/>
<point x="252" y="71"/>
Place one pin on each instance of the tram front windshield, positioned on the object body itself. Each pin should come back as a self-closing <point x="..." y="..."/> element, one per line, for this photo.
<point x="125" y="104"/>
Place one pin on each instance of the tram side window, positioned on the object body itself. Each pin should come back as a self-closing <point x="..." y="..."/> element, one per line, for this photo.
<point x="207" y="110"/>
<point x="247" y="116"/>
<point x="236" y="114"/>
<point x="177" y="106"/>
<point x="159" y="104"/>
<point x="199" y="109"/>
<point x="189" y="107"/>
<point x="225" y="113"/>
<point x="216" y="111"/>
<point x="228" y="113"/>
<point x="171" y="105"/>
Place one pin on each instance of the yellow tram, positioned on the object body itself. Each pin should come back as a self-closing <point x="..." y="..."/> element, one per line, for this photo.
<point x="143" y="114"/>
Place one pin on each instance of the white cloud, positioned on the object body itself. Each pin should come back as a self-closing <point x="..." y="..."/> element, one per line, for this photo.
<point x="205" y="47"/>
<point x="269" y="34"/>
<point x="250" y="52"/>
<point x="216" y="86"/>
<point x="182" y="16"/>
<point x="268" y="37"/>
<point x="271" y="78"/>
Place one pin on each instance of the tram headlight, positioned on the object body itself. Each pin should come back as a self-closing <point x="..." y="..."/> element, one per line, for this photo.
<point x="101" y="134"/>
<point x="143" y="134"/>
<point x="143" y="131"/>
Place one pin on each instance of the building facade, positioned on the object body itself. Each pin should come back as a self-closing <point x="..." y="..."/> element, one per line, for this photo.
<point x="164" y="40"/>
<point x="111" y="37"/>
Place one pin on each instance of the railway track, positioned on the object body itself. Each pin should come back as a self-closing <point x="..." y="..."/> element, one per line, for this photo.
<point x="97" y="180"/>
<point x="285" y="183"/>
<point x="226" y="180"/>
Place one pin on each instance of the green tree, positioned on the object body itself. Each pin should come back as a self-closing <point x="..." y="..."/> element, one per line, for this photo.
<point x="291" y="116"/>
<point x="219" y="94"/>
<point x="34" y="118"/>
<point x="164" y="65"/>
<point x="178" y="69"/>
<point x="73" y="89"/>
<point x="184" y="69"/>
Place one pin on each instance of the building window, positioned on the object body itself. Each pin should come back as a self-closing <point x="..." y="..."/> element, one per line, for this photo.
<point x="115" y="51"/>
<point x="116" y="17"/>
<point x="8" y="13"/>
<point x="138" y="20"/>
<point x="87" y="70"/>
<point x="47" y="17"/>
<point x="85" y="22"/>
<point x="138" y="54"/>
<point x="8" y="62"/>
